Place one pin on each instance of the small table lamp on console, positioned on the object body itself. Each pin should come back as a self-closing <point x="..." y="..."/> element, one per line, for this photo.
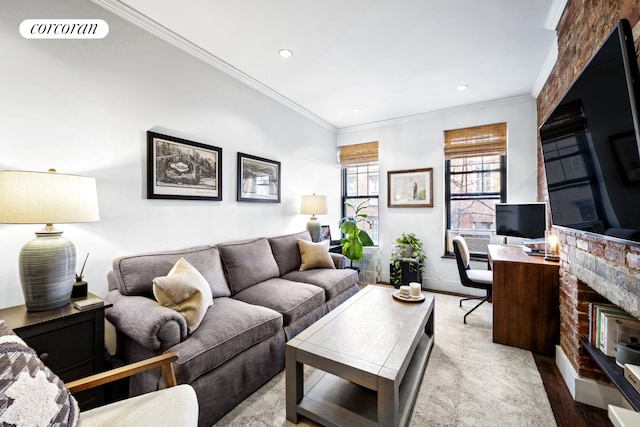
<point x="314" y="205"/>
<point x="551" y="245"/>
<point x="47" y="263"/>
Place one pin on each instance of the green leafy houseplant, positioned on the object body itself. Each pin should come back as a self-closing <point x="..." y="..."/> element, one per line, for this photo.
<point x="355" y="239"/>
<point x="406" y="246"/>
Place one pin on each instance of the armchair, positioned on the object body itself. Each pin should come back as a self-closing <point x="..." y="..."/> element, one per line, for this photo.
<point x="34" y="395"/>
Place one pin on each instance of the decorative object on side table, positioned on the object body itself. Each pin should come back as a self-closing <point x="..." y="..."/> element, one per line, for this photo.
<point x="80" y="286"/>
<point x="407" y="260"/>
<point x="551" y="245"/>
<point x="355" y="238"/>
<point x="258" y="179"/>
<point x="314" y="205"/>
<point x="47" y="263"/>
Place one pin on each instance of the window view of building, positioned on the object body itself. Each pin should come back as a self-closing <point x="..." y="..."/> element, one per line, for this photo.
<point x="360" y="184"/>
<point x="361" y="189"/>
<point x="475" y="180"/>
<point x="474" y="190"/>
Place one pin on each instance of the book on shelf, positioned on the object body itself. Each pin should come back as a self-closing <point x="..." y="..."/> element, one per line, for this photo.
<point x="632" y="374"/>
<point x="594" y="316"/>
<point x="609" y="328"/>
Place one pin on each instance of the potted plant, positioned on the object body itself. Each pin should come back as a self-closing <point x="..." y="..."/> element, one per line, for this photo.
<point x="355" y="239"/>
<point x="406" y="246"/>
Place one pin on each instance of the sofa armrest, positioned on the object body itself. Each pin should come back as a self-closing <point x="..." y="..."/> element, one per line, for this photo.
<point x="142" y="319"/>
<point x="339" y="260"/>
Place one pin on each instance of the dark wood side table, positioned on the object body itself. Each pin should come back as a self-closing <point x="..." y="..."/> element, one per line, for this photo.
<point x="336" y="249"/>
<point x="69" y="341"/>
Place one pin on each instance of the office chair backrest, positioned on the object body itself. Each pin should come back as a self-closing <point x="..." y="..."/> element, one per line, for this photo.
<point x="460" y="244"/>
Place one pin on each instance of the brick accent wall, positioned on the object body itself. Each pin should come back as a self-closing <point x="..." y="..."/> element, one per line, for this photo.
<point x="592" y="268"/>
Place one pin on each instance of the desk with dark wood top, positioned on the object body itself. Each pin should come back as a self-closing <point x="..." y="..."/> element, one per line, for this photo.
<point x="526" y="306"/>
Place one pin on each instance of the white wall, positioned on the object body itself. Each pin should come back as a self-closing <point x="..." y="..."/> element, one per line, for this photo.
<point x="84" y="106"/>
<point x="417" y="142"/>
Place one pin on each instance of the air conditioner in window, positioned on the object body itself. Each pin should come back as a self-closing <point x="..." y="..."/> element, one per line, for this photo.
<point x="477" y="240"/>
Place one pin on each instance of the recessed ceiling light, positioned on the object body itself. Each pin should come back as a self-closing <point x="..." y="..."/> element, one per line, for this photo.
<point x="462" y="87"/>
<point x="285" y="53"/>
<point x="355" y="110"/>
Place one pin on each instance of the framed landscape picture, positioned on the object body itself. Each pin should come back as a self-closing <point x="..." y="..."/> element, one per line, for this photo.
<point x="258" y="179"/>
<point x="182" y="169"/>
<point x="411" y="188"/>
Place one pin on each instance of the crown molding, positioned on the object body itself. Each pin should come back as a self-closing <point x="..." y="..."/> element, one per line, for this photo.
<point x="124" y="11"/>
<point x="546" y="69"/>
<point x="555" y="13"/>
<point x="421" y="116"/>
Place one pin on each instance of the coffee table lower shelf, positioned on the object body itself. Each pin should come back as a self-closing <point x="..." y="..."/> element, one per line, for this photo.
<point x="341" y="402"/>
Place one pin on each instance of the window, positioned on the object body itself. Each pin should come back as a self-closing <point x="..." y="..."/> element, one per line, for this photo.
<point x="360" y="183"/>
<point x="475" y="180"/>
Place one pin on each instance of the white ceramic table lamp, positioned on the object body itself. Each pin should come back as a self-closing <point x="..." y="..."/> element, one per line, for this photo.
<point x="314" y="205"/>
<point x="47" y="263"/>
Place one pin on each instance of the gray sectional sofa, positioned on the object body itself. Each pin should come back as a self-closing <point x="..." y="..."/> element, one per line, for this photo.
<point x="261" y="300"/>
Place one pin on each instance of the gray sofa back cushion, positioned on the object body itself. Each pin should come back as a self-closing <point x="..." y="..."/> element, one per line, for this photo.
<point x="286" y="252"/>
<point x="247" y="263"/>
<point x="134" y="274"/>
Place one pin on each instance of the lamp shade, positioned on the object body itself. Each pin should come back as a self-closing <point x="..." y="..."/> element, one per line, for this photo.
<point x="314" y="205"/>
<point x="47" y="198"/>
<point x="47" y="263"/>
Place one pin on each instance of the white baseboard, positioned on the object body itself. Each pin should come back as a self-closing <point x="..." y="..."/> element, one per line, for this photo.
<point x="585" y="390"/>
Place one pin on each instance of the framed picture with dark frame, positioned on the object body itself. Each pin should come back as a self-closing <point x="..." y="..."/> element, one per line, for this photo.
<point x="258" y="179"/>
<point x="181" y="169"/>
<point x="325" y="232"/>
<point x="412" y="188"/>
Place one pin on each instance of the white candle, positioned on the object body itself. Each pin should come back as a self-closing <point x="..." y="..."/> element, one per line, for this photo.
<point x="415" y="289"/>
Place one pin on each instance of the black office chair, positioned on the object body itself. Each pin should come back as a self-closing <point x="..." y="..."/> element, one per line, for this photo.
<point x="479" y="279"/>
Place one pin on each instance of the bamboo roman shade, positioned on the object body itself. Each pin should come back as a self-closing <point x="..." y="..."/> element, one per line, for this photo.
<point x="358" y="154"/>
<point x="476" y="141"/>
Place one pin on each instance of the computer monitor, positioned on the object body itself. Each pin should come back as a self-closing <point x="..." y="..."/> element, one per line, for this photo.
<point x="526" y="220"/>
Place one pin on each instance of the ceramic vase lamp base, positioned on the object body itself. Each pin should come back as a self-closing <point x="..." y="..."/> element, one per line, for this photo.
<point x="47" y="270"/>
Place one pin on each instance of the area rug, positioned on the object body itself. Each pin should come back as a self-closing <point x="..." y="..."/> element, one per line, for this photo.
<point x="469" y="380"/>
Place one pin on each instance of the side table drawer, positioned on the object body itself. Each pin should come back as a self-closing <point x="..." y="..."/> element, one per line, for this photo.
<point x="64" y="349"/>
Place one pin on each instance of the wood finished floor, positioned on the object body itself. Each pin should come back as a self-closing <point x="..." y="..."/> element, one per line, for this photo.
<point x="567" y="412"/>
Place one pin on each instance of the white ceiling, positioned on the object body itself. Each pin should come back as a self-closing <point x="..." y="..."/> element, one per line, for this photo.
<point x="389" y="58"/>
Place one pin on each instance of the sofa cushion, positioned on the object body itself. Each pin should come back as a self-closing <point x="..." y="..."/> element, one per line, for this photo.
<point x="247" y="263"/>
<point x="227" y="329"/>
<point x="292" y="299"/>
<point x="333" y="282"/>
<point x="134" y="274"/>
<point x="285" y="250"/>
<point x="314" y="255"/>
<point x="186" y="291"/>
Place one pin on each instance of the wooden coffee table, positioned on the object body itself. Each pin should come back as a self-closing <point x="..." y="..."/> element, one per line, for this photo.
<point x="369" y="353"/>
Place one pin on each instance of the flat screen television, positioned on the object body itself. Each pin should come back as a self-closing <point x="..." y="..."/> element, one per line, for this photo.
<point x="527" y="220"/>
<point x="590" y="144"/>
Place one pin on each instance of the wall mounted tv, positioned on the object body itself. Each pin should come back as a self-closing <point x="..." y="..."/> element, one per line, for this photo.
<point x="528" y="220"/>
<point x="590" y="144"/>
